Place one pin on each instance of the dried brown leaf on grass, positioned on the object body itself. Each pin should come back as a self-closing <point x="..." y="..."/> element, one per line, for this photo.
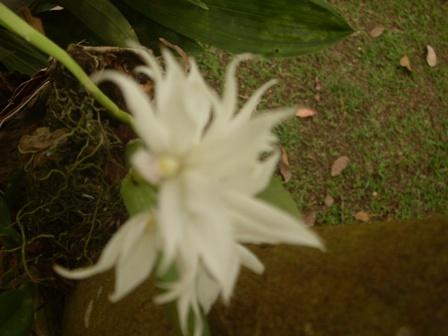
<point x="328" y="201"/>
<point x="309" y="218"/>
<point x="305" y="112"/>
<point x="284" y="168"/>
<point x="431" y="57"/>
<point x="339" y="165"/>
<point x="377" y="31"/>
<point x="405" y="62"/>
<point x="362" y="216"/>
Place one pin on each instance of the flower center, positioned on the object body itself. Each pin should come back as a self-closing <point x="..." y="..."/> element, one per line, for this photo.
<point x="151" y="224"/>
<point x="168" y="166"/>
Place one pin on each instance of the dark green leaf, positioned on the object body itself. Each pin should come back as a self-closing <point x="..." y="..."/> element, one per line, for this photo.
<point x="74" y="30"/>
<point x="137" y="195"/>
<point x="5" y="53"/>
<point x="40" y="6"/>
<point x="19" y="55"/>
<point x="12" y="186"/>
<point x="17" y="312"/>
<point x="6" y="230"/>
<point x="103" y="19"/>
<point x="276" y="27"/>
<point x="149" y="32"/>
<point x="277" y="195"/>
<point x="199" y="3"/>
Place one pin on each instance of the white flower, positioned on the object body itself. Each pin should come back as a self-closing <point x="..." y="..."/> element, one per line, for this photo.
<point x="209" y="160"/>
<point x="132" y="249"/>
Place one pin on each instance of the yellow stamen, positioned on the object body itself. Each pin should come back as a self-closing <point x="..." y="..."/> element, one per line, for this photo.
<point x="168" y="166"/>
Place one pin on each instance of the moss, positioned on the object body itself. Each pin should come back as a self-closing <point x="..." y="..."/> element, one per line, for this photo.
<point x="375" y="279"/>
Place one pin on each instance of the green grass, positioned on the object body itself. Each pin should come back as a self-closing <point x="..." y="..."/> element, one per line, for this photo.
<point x="392" y="124"/>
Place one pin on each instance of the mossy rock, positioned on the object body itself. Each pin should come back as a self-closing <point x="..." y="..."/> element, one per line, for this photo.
<point x="375" y="279"/>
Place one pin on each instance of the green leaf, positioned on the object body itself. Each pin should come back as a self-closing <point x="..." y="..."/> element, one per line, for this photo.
<point x="149" y="32"/>
<point x="4" y="53"/>
<point x="5" y="223"/>
<point x="103" y="19"/>
<point x="198" y="3"/>
<point x="18" y="55"/>
<point x="137" y="195"/>
<point x="276" y="27"/>
<point x="278" y="196"/>
<point x="74" y="30"/>
<point x="17" y="312"/>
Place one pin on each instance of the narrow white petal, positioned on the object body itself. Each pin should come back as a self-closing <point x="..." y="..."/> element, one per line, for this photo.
<point x="150" y="60"/>
<point x="198" y="100"/>
<point x="148" y="127"/>
<point x="183" y="308"/>
<point x="254" y="178"/>
<point x="135" y="265"/>
<point x="210" y="233"/>
<point x="146" y="166"/>
<point x="207" y="290"/>
<point x="249" y="107"/>
<point x="142" y="69"/>
<point x="250" y="260"/>
<point x="231" y="86"/>
<point x="225" y="156"/>
<point x="172" y="218"/>
<point x="110" y="253"/>
<point x="258" y="222"/>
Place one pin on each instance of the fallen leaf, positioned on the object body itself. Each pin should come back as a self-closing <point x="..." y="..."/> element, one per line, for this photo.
<point x="339" y="165"/>
<point x="405" y="62"/>
<point x="431" y="56"/>
<point x="362" y="216"/>
<point x="317" y="85"/>
<point x="309" y="218"/>
<point x="284" y="166"/>
<point x="329" y="201"/>
<point x="305" y="112"/>
<point x="41" y="139"/>
<point x="377" y="31"/>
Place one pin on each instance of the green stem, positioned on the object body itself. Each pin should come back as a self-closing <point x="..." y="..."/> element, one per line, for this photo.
<point x="14" y="23"/>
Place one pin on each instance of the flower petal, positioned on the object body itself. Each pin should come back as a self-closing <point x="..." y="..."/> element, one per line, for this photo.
<point x="211" y="235"/>
<point x="250" y="260"/>
<point x="248" y="108"/>
<point x="229" y="100"/>
<point x="207" y="290"/>
<point x="258" y="222"/>
<point x="225" y="155"/>
<point x="136" y="263"/>
<point x="148" y="127"/>
<point x="146" y="166"/>
<point x="110" y="253"/>
<point x="172" y="219"/>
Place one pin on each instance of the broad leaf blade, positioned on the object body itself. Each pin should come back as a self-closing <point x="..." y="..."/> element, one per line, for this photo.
<point x="276" y="195"/>
<point x="149" y="32"/>
<point x="19" y="55"/>
<point x="103" y="19"/>
<point x="17" y="312"/>
<point x="199" y="3"/>
<point x="276" y="27"/>
<point x="74" y="30"/>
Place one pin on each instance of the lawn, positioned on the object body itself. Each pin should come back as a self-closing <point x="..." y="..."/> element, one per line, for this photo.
<point x="390" y="122"/>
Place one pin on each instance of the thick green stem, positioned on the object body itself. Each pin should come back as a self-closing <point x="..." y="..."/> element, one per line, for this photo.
<point x="12" y="22"/>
